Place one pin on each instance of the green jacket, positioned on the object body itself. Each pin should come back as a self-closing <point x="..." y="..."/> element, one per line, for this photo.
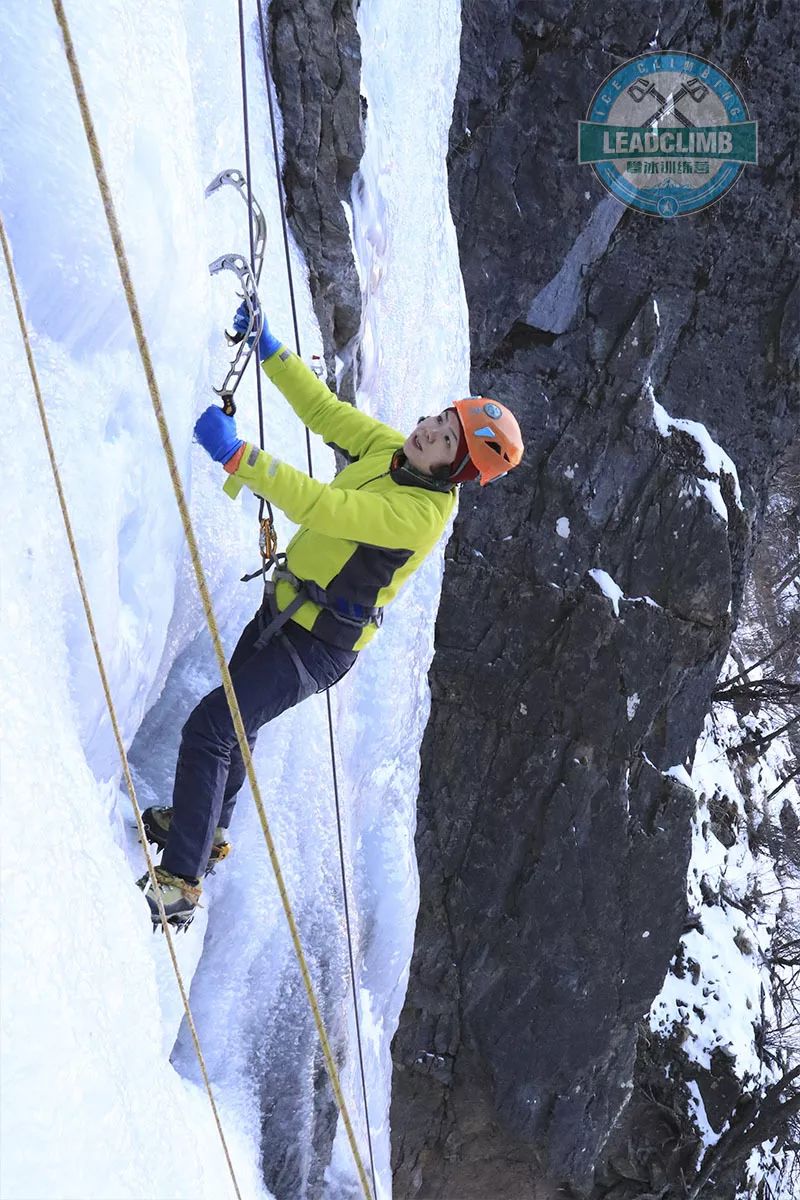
<point x="360" y="536"/>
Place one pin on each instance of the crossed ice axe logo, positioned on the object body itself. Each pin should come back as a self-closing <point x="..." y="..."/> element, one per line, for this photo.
<point x="692" y="88"/>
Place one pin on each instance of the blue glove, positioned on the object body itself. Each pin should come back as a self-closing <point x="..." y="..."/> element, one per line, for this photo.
<point x="216" y="433"/>
<point x="267" y="344"/>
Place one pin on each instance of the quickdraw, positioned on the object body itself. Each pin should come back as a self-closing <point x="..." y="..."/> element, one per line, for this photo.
<point x="268" y="547"/>
<point x="267" y="541"/>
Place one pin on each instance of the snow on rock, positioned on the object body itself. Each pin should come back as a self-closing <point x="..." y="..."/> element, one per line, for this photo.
<point x="715" y="460"/>
<point x="562" y="527"/>
<point x="609" y="587"/>
<point x="680" y="773"/>
<point x="698" y="1110"/>
<point x="717" y="991"/>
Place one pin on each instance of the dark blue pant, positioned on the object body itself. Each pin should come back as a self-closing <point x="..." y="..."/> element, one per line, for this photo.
<point x="210" y="769"/>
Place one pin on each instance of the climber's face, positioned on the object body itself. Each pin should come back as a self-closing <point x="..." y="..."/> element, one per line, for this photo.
<point x="434" y="442"/>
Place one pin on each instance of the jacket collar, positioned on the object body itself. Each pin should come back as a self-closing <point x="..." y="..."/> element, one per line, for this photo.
<point x="405" y="475"/>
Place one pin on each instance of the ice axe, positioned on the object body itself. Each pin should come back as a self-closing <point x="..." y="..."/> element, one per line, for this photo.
<point x="249" y="338"/>
<point x="237" y="180"/>
<point x="645" y="87"/>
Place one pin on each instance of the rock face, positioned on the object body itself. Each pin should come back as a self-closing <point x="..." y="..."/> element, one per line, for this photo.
<point x="552" y="845"/>
<point x="315" y="59"/>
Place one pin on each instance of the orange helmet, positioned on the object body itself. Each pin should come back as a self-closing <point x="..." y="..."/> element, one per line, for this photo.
<point x="493" y="437"/>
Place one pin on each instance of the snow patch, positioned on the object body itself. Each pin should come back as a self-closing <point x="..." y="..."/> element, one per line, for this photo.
<point x="562" y="527"/>
<point x="680" y="773"/>
<point x="715" y="459"/>
<point x="610" y="588"/>
<point x="716" y="988"/>
<point x="700" y="1118"/>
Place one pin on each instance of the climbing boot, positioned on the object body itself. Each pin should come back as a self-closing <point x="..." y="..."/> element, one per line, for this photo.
<point x="157" y="820"/>
<point x="180" y="898"/>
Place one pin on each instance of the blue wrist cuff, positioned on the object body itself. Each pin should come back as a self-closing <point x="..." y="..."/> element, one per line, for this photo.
<point x="267" y="345"/>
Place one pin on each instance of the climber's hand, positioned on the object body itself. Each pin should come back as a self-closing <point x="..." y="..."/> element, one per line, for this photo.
<point x="216" y="433"/>
<point x="267" y="344"/>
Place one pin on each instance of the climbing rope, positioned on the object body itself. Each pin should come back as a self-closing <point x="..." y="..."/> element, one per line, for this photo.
<point x="309" y="459"/>
<point x="87" y="608"/>
<point x="268" y="538"/>
<point x="180" y="497"/>
<point x="250" y="231"/>
<point x="295" y="322"/>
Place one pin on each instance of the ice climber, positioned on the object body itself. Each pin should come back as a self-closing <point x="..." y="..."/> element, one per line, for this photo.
<point x="359" y="540"/>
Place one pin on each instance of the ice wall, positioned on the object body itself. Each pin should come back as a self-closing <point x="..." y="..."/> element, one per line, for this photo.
<point x="90" y="1010"/>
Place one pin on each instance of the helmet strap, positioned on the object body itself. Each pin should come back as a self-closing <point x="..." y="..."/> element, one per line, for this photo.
<point x="457" y="468"/>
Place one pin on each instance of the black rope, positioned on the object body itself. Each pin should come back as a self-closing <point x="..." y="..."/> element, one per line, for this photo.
<point x="284" y="227"/>
<point x="281" y="204"/>
<point x="350" y="940"/>
<point x="251" y="234"/>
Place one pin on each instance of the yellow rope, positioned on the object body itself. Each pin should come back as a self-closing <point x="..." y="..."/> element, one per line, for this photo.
<point x="144" y="352"/>
<point x="107" y="689"/>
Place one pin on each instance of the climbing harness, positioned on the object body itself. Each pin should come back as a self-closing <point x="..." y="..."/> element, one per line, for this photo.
<point x="106" y="686"/>
<point x="180" y="497"/>
<point x="344" y="610"/>
<point x="273" y="621"/>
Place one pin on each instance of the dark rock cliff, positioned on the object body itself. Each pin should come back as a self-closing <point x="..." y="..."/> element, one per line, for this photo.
<point x="315" y="60"/>
<point x="552" y="849"/>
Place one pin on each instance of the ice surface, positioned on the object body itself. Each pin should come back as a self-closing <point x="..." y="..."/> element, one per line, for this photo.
<point x="89" y="1006"/>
